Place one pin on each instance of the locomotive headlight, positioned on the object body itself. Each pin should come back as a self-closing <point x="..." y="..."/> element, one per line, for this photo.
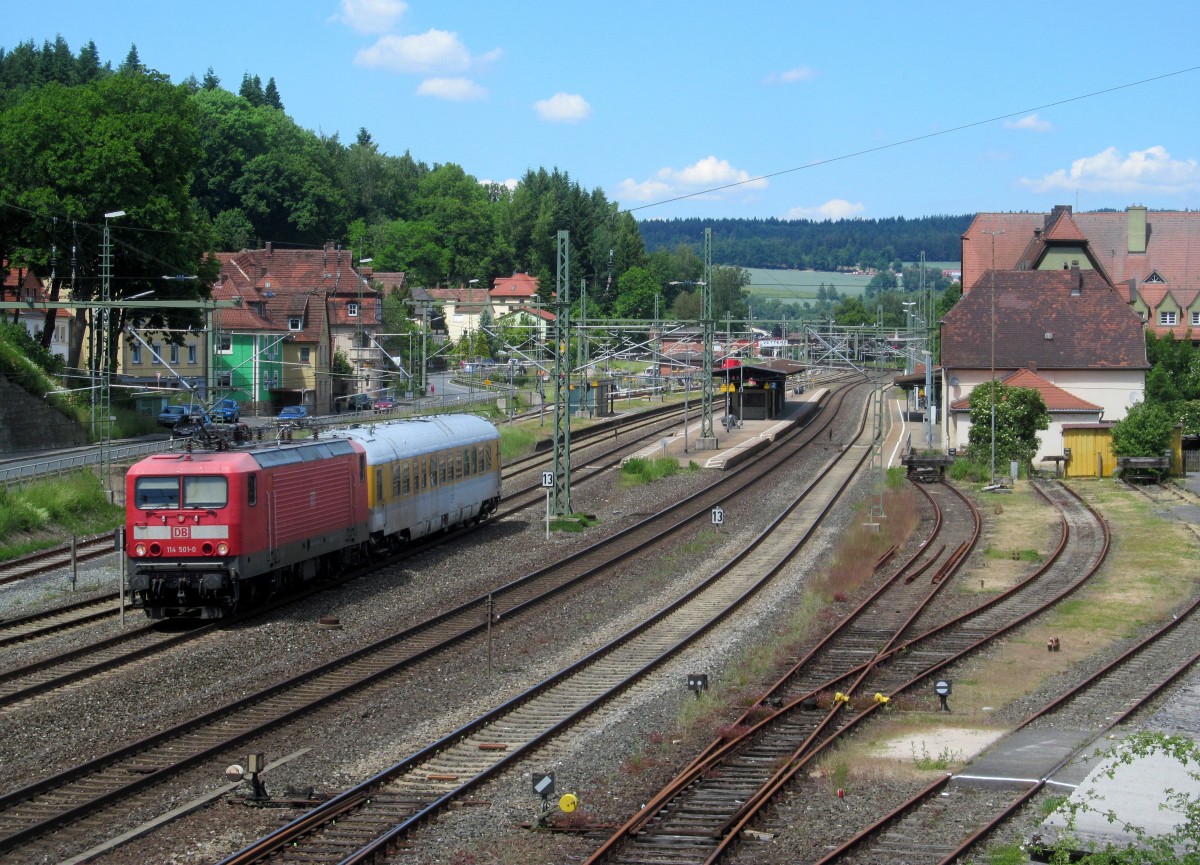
<point x="222" y="549"/>
<point x="139" y="549"/>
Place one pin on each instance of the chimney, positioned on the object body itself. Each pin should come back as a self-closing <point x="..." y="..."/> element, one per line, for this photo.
<point x="1033" y="366"/>
<point x="1136" y="222"/>
<point x="270" y="248"/>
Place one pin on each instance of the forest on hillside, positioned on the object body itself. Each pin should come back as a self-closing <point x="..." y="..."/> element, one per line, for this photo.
<point x="805" y="244"/>
<point x="196" y="167"/>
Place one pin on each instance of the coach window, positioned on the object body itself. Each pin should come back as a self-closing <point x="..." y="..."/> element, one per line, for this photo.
<point x="205" y="492"/>
<point x="252" y="489"/>
<point x="379" y="486"/>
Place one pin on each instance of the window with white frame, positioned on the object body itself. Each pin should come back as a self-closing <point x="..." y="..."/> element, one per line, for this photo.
<point x="192" y="353"/>
<point x="1167" y="319"/>
<point x="224" y="343"/>
<point x="352" y="309"/>
<point x="225" y="379"/>
<point x="174" y="355"/>
<point x="296" y="323"/>
<point x="135" y="353"/>
<point x="156" y="352"/>
<point x="1196" y="319"/>
<point x="305" y="355"/>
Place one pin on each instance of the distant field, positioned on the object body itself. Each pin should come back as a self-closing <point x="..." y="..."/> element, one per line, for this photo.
<point x="792" y="286"/>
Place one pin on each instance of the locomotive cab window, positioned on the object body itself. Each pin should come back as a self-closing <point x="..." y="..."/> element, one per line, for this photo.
<point x="252" y="489"/>
<point x="205" y="492"/>
<point x="152" y="492"/>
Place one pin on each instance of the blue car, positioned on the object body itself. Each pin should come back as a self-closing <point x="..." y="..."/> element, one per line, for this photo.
<point x="293" y="412"/>
<point x="226" y="410"/>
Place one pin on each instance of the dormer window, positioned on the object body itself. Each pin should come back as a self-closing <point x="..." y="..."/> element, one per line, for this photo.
<point x="352" y="309"/>
<point x="296" y="323"/>
<point x="1167" y="319"/>
<point x="1154" y="278"/>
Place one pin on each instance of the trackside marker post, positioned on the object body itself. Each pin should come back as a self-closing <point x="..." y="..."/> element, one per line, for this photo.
<point x="548" y="485"/>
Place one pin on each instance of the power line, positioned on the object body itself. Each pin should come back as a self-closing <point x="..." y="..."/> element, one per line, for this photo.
<point x="915" y="138"/>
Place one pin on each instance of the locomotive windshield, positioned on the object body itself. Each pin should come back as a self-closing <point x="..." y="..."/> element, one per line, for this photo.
<point x="198" y="492"/>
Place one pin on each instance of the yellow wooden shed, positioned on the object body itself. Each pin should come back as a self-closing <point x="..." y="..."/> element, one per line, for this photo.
<point x="1089" y="446"/>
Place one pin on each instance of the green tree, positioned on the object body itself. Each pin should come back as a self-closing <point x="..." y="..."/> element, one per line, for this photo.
<point x="852" y="313"/>
<point x="271" y="95"/>
<point x="1020" y="414"/>
<point x="124" y="142"/>
<point x="637" y="288"/>
<point x="1145" y="431"/>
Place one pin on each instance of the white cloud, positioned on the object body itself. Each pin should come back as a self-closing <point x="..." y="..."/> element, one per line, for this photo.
<point x="1031" y="122"/>
<point x="563" y="108"/>
<point x="428" y="53"/>
<point x="707" y="174"/>
<point x="1143" y="171"/>
<point x="835" y="208"/>
<point x="791" y="76"/>
<point x="452" y="89"/>
<point x="370" y="16"/>
<point x="509" y="184"/>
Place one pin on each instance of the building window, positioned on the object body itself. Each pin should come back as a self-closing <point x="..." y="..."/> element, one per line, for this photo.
<point x="174" y="355"/>
<point x="135" y="354"/>
<point x="305" y="355"/>
<point x="296" y="323"/>
<point x="1166" y="319"/>
<point x="192" y="354"/>
<point x="352" y="309"/>
<point x="225" y="379"/>
<point x="224" y="344"/>
<point x="1196" y="319"/>
<point x="156" y="351"/>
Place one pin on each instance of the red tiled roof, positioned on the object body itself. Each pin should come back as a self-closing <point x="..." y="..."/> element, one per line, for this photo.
<point x="1056" y="399"/>
<point x="1171" y="238"/>
<point x="517" y="285"/>
<point x="1039" y="320"/>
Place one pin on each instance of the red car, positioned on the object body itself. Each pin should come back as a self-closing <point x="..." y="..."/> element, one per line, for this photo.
<point x="385" y="403"/>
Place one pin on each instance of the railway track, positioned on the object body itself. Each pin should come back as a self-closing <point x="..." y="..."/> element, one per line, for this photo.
<point x="62" y="556"/>
<point x="1083" y="714"/>
<point x="348" y="828"/>
<point x="82" y="792"/>
<point x="108" y="653"/>
<point x="702" y="815"/>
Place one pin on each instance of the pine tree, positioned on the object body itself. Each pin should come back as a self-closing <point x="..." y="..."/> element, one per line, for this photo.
<point x="271" y="95"/>
<point x="211" y="81"/>
<point x="132" y="63"/>
<point x="251" y="90"/>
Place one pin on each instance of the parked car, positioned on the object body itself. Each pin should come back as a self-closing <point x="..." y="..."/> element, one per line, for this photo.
<point x="293" y="413"/>
<point x="226" y="411"/>
<point x="192" y="422"/>
<point x="385" y="403"/>
<point x="353" y="402"/>
<point x="173" y="414"/>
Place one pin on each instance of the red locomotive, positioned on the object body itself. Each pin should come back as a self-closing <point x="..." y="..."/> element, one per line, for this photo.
<point x="208" y="533"/>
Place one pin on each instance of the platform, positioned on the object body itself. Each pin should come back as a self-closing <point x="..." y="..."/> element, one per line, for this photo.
<point x="733" y="445"/>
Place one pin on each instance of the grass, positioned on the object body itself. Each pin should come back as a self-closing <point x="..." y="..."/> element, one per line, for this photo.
<point x="37" y="515"/>
<point x="637" y="470"/>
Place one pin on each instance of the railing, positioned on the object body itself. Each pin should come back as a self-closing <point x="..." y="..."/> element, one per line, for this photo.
<point x="37" y="468"/>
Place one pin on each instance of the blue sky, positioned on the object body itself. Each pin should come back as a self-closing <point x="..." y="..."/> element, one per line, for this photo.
<point x="815" y="110"/>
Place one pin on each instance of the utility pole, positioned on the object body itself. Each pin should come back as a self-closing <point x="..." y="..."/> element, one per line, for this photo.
<point x="562" y="413"/>
<point x="992" y="383"/>
<point x="708" y="438"/>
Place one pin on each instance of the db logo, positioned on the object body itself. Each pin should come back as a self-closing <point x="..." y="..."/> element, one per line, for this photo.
<point x="180" y="532"/>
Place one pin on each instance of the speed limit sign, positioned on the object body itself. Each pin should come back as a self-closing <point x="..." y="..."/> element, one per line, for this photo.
<point x="547" y="479"/>
<point x="718" y="515"/>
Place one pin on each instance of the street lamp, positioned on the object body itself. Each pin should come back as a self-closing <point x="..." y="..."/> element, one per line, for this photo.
<point x="358" y="334"/>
